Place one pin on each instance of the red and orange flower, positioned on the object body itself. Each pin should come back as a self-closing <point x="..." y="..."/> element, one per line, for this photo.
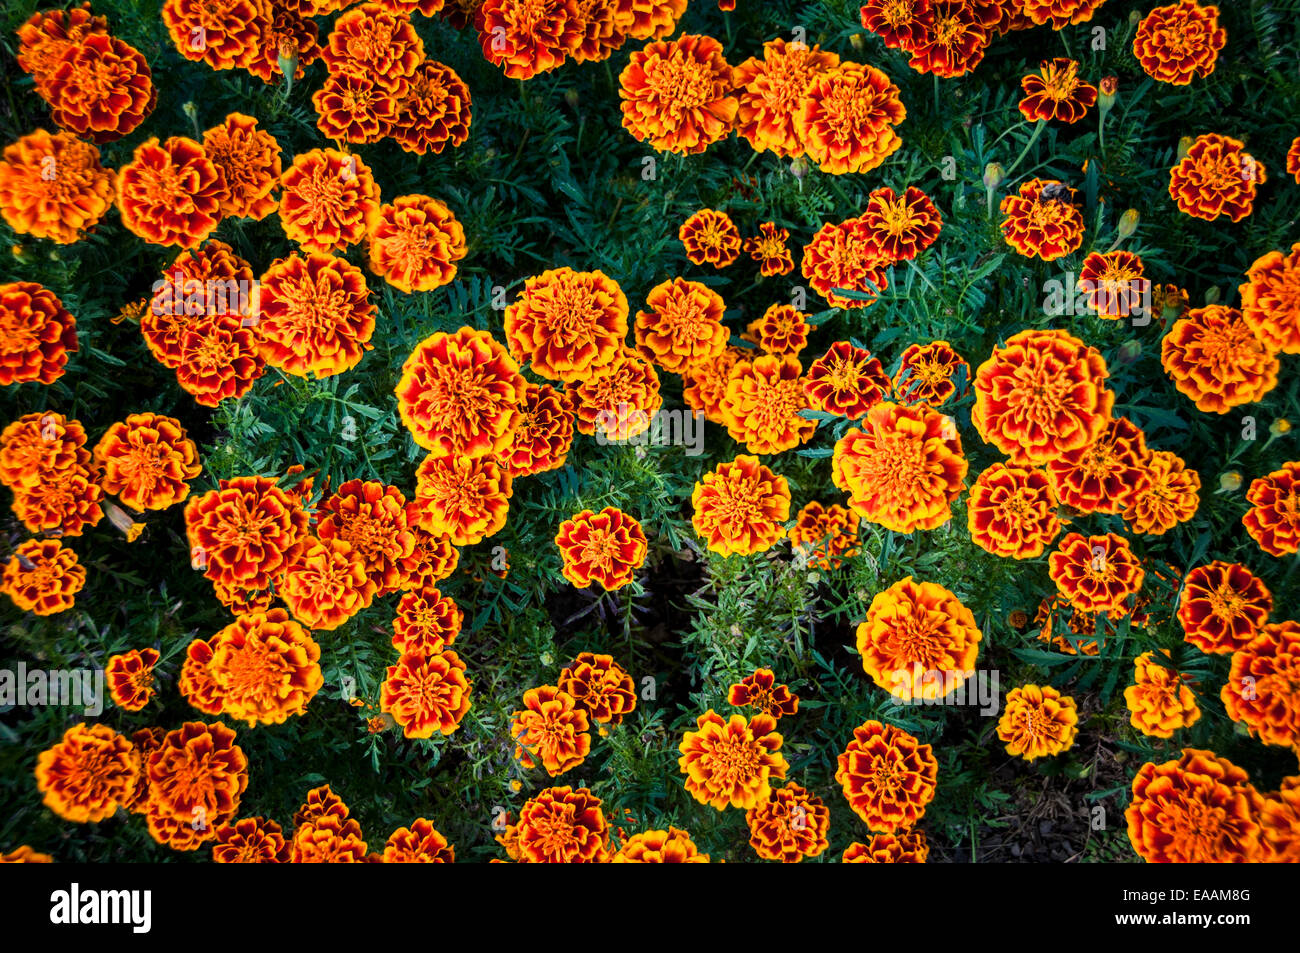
<point x="562" y="825"/>
<point x="53" y="186"/>
<point x="1270" y="300"/>
<point x="130" y="678"/>
<point x="1223" y="606"/>
<point x="329" y="200"/>
<point x="710" y="237"/>
<point x="682" y="326"/>
<point x="426" y="693"/>
<point x="739" y="507"/>
<point x="1198" y="809"/>
<point x="1096" y="573"/>
<point x="244" y="532"/>
<point x="1216" y="177"/>
<point x="171" y="192"/>
<point x="88" y="775"/>
<point x="732" y="762"/>
<point x="846" y="257"/>
<point x="600" y="687"/>
<point x="147" y="461"/>
<point x="1215" y="357"/>
<point x="1056" y="92"/>
<point x="1179" y="42"/>
<point x="760" y="691"/>
<point x="769" y="91"/>
<point x="463" y="499"/>
<point x="768" y="248"/>
<point x="888" y="777"/>
<point x="762" y="403"/>
<point x="37" y="333"/>
<point x="606" y="548"/>
<point x="1043" y="220"/>
<point x="100" y="88"/>
<point x="846" y="117"/>
<point x="316" y="316"/>
<point x="1159" y="700"/>
<point x="1260" y="692"/>
<point x="1038" y="722"/>
<point x="415" y="243"/>
<point x="677" y="94"/>
<point x="248" y="159"/>
<point x="552" y="729"/>
<point x="1012" y="511"/>
<point x="927" y="373"/>
<point x="566" y="322"/>
<point x="789" y="826"/>
<point x="42" y="576"/>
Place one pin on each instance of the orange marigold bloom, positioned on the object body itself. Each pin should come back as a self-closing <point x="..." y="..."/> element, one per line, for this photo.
<point x="825" y="535"/>
<point x="528" y="38"/>
<point x="88" y="775"/>
<point x="197" y="683"/>
<point x="660" y="847"/>
<point x="888" y="776"/>
<point x="250" y="840"/>
<point x="710" y="238"/>
<point x="762" y="402"/>
<point x="323" y="807"/>
<point x="101" y="88"/>
<point x="1169" y="494"/>
<point x="846" y="118"/>
<point x="354" y="107"/>
<point x="434" y="113"/>
<point x="1179" y="42"/>
<point x="1216" y="177"/>
<point x="732" y="762"/>
<point x="418" y="844"/>
<point x="617" y="401"/>
<point x="371" y="41"/>
<point x="426" y="693"/>
<point x="902" y="24"/>
<point x="147" y="460"/>
<point x="606" y="548"/>
<point x="789" y="826"/>
<point x="903" y="225"/>
<point x="740" y="506"/>
<point x="23" y="854"/>
<point x="171" y="193"/>
<point x="329" y="200"/>
<point x="918" y="640"/>
<point x="244" y="532"/>
<point x="1041" y="395"/>
<point x="43" y="577"/>
<point x="460" y="394"/>
<point x="846" y="257"/>
<point x="249" y="161"/>
<point x="1043" y="220"/>
<point x="768" y="248"/>
<point x="1038" y="721"/>
<point x="316" y="315"/>
<point x="36" y="334"/>
<point x="1260" y="691"/>
<point x="463" y="499"/>
<point x="1216" y="359"/>
<point x="288" y="37"/>
<point x="783" y="329"/>
<point x="262" y="668"/>
<point x="1270" y="299"/>
<point x="1096" y="573"/>
<point x="53" y="186"/>
<point x="427" y="622"/>
<point x="770" y="90"/>
<point x="926" y="373"/>
<point x="567" y="322"/>
<point x="1012" y="511"/>
<point x="902" y="468"/>
<point x="217" y="358"/>
<point x="1056" y="92"/>
<point x="433" y="557"/>
<point x="550" y="727"/>
<point x="648" y="19"/>
<point x="373" y="519"/>
<point x="224" y="34"/>
<point x="1223" y="606"/>
<point x="325" y="583"/>
<point x="545" y="433"/>
<point x="759" y="690"/>
<point x="562" y="825"/>
<point x="1279" y="821"/>
<point x="1114" y="284"/>
<point x="1273" y="519"/>
<point x="326" y="843"/>
<point x="1107" y="475"/>
<point x="198" y="772"/>
<point x="1198" y="809"/>
<point x="597" y="36"/>
<point x="36" y="447"/>
<point x="846" y="380"/>
<point x="415" y="243"/>
<point x="1159" y="701"/>
<point x="1060" y="13"/>
<point x="676" y="94"/>
<point x="209" y="281"/>
<point x="600" y="687"/>
<point x="64" y="502"/>
<point x="907" y="848"/>
<point x="683" y="325"/>
<point x="48" y="34"/>
<point x="130" y="678"/>
<point x="705" y="382"/>
<point x="180" y="835"/>
<point x="954" y="42"/>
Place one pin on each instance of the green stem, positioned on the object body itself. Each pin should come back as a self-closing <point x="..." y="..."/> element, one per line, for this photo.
<point x="1038" y="131"/>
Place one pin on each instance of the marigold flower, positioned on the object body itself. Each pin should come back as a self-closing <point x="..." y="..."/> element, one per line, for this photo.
<point x="710" y="238"/>
<point x="902" y="468"/>
<point x="197" y="773"/>
<point x="618" y="400"/>
<point x="789" y="826"/>
<point x="130" y="678"/>
<point x="50" y="584"/>
<point x="250" y="840"/>
<point x="1260" y="691"/>
<point x="316" y="315"/>
<point x="418" y="844"/>
<point x="1169" y="494"/>
<point x="53" y="186"/>
<point x="289" y="37"/>
<point x="676" y="94"/>
<point x="197" y="684"/>
<point x="373" y="519"/>
<point x="325" y="583"/>
<point x="918" y="640"/>
<point x="433" y="557"/>
<point x="146" y="461"/>
<point x="217" y="358"/>
<point x="782" y="330"/>
<point x="1270" y="299"/>
<point x="264" y="667"/>
<point x="903" y="225"/>
<point x="1159" y="701"/>
<point x="606" y="548"/>
<point x="600" y="687"/>
<point x="683" y="325"/>
<point x="209" y="281"/>
<point x="371" y="41"/>
<point x="545" y="433"/>
<point x="761" y="404"/>
<point x="1012" y="511"/>
<point x="1038" y="721"/>
<point x="732" y="762"/>
<point x="1096" y="573"/>
<point x="324" y="843"/>
<point x="562" y="825"/>
<point x="1216" y="177"/>
<point x="846" y="117"/>
<point x="1197" y="809"/>
<point x="846" y="380"/>
<point x="648" y="19"/>
<point x="660" y="847"/>
<point x="1114" y="284"/>
<point x="759" y="690"/>
<point x="846" y="257"/>
<point x="88" y="775"/>
<point x="101" y="88"/>
<point x="171" y="193"/>
<point x="597" y="35"/>
<point x="321" y="806"/>
<point x="329" y="200"/>
<point x="1043" y="220"/>
<point x="1179" y="42"/>
<point x="249" y="161"/>
<point x="1279" y="821"/>
<point x="902" y="24"/>
<point x="463" y="499"/>
<point x="1223" y="606"/>
<point x="1056" y="92"/>
<point x="825" y="535"/>
<point x="1041" y="395"/>
<point x="36" y="334"/>
<point x="768" y="247"/>
<point x="354" y="107"/>
<point x="1107" y="475"/>
<point x="739" y="507"/>
<point x="36" y="446"/>
<point x="888" y="777"/>
<point x="434" y="113"/>
<point x="1060" y="13"/>
<point x="426" y="693"/>
<point x="705" y="382"/>
<point x="178" y="834"/>
<point x="907" y="848"/>
<point x="415" y="243"/>
<point x="926" y="373"/>
<point x="550" y="727"/>
<point x="48" y="34"/>
<point x="63" y="502"/>
<point x="1215" y="358"/>
<point x="244" y="532"/>
<point x="23" y="854"/>
<point x="1273" y="519"/>
<point x="223" y="34"/>
<point x="769" y="92"/>
<point x="566" y="322"/>
<point x="528" y="38"/>
<point x="427" y="622"/>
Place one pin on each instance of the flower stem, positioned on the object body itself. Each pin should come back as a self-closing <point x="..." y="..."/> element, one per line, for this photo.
<point x="1038" y="131"/>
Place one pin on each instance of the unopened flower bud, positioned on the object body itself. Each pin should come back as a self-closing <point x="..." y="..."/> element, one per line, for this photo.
<point x="1230" y="482"/>
<point x="799" y="167"/>
<point x="857" y="41"/>
<point x="1213" y="294"/>
<point x="993" y="176"/>
<point x="1184" y="146"/>
<point x="1128" y="223"/>
<point x="1279" y="427"/>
